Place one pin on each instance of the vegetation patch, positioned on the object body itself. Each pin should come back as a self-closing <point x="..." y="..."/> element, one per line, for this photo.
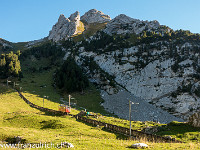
<point x="52" y="124"/>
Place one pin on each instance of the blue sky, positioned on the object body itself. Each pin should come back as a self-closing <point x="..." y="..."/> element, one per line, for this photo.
<point x="25" y="20"/>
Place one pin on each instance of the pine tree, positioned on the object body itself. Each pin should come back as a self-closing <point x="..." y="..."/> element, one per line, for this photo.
<point x="3" y="61"/>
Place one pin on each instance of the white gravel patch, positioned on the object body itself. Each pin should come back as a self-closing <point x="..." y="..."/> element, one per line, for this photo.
<point x="119" y="105"/>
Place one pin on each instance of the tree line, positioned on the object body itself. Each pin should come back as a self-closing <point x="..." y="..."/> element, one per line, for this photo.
<point x="10" y="65"/>
<point x="70" y="77"/>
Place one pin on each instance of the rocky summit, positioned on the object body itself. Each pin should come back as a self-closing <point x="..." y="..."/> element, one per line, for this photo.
<point x="95" y="16"/>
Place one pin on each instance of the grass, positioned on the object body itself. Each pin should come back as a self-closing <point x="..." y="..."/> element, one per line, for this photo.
<point x="90" y="29"/>
<point x="80" y="28"/>
<point x="18" y="119"/>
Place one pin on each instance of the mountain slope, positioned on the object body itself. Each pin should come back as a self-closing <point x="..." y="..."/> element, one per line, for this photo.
<point x="150" y="60"/>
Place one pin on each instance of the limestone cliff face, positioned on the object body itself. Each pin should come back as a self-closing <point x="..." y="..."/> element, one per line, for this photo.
<point x="65" y="27"/>
<point x="95" y="16"/>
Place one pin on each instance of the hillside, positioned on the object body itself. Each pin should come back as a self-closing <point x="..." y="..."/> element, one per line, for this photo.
<point x="151" y="61"/>
<point x="123" y="59"/>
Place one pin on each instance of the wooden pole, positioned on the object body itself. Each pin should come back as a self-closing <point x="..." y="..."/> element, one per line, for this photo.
<point x="130" y="116"/>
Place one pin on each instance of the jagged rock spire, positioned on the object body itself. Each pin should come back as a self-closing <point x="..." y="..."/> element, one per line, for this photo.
<point x="65" y="27"/>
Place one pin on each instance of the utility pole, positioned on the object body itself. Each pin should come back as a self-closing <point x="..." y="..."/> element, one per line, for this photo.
<point x="43" y="99"/>
<point x="69" y="99"/>
<point x="20" y="89"/>
<point x="130" y="116"/>
<point x="130" y="103"/>
<point x="8" y="82"/>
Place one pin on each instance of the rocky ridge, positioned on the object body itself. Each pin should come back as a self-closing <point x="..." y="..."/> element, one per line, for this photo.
<point x="123" y="24"/>
<point x="5" y="44"/>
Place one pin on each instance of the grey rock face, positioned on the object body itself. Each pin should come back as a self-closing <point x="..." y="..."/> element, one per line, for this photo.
<point x="95" y="16"/>
<point x="65" y="27"/>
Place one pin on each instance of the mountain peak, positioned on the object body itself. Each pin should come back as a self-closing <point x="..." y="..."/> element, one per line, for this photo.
<point x="95" y="16"/>
<point x="75" y="16"/>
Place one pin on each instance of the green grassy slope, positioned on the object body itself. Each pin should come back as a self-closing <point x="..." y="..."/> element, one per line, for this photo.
<point x="18" y="119"/>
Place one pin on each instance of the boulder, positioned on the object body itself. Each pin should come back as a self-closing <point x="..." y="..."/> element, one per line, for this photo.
<point x="139" y="145"/>
<point x="67" y="145"/>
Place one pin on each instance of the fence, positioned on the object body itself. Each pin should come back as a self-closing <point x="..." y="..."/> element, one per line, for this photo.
<point x="55" y="112"/>
<point x="113" y="128"/>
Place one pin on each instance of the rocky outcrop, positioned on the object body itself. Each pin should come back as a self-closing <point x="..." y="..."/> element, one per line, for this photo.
<point x="95" y="16"/>
<point x="65" y="27"/>
<point x="5" y="44"/>
<point x="194" y="120"/>
<point x="123" y="24"/>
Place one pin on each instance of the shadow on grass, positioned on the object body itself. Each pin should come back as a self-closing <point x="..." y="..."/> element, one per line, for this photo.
<point x="181" y="130"/>
<point x="5" y="89"/>
<point x="118" y="136"/>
